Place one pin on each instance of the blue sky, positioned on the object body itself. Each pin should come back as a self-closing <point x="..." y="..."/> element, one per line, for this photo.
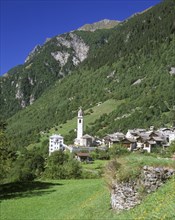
<point x="26" y="23"/>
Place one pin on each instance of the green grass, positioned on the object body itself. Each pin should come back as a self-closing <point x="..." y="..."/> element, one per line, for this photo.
<point x="86" y="198"/>
<point x="82" y="199"/>
<point x="96" y="168"/>
<point x="62" y="201"/>
<point x="97" y="164"/>
<point x="98" y="110"/>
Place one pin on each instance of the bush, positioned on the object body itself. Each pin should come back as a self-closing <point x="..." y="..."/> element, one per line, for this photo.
<point x="118" y="150"/>
<point x="62" y="166"/>
<point x="21" y="174"/>
<point x="27" y="167"/>
<point x="100" y="155"/>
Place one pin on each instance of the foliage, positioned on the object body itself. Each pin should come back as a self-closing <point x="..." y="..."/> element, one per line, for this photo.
<point x="62" y="166"/>
<point x="167" y="152"/>
<point x="171" y="149"/>
<point x="27" y="167"/>
<point x="117" y="151"/>
<point x="7" y="156"/>
<point x="100" y="154"/>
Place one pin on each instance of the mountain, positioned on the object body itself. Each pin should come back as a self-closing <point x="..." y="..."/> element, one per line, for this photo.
<point x="46" y="63"/>
<point x="103" y="24"/>
<point x="130" y="63"/>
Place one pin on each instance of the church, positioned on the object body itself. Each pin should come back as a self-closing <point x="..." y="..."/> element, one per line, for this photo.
<point x="82" y="140"/>
<point x="56" y="142"/>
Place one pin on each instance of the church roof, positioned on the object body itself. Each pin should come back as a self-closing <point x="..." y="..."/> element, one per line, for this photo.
<point x="87" y="136"/>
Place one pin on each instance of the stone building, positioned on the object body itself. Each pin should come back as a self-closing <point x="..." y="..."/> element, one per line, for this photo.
<point x="87" y="140"/>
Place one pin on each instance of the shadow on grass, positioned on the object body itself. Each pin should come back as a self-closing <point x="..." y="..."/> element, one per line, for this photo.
<point x="25" y="189"/>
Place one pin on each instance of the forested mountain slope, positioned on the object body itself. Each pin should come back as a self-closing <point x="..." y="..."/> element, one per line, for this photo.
<point x="131" y="62"/>
<point x="52" y="61"/>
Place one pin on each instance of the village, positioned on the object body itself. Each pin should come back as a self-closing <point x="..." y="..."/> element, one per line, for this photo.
<point x="133" y="140"/>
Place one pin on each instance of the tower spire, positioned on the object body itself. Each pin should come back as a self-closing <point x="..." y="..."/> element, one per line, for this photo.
<point x="80" y="124"/>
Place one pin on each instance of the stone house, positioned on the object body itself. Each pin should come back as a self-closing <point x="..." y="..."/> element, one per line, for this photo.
<point x="129" y="143"/>
<point x="115" y="138"/>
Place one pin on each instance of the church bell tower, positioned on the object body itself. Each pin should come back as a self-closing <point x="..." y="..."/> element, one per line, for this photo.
<point x="80" y="124"/>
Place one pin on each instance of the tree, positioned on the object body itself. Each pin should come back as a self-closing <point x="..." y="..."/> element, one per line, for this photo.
<point x="28" y="166"/>
<point x="6" y="155"/>
<point x="61" y="165"/>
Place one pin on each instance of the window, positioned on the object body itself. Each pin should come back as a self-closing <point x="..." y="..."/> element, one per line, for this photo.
<point x="79" y="120"/>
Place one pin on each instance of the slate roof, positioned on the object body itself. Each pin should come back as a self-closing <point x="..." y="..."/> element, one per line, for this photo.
<point x="158" y="139"/>
<point x="87" y="136"/>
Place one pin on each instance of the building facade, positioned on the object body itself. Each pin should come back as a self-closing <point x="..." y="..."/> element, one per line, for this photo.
<point x="56" y="142"/>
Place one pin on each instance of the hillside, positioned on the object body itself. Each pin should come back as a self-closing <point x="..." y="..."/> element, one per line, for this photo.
<point x="47" y="63"/>
<point x="104" y="24"/>
<point x="130" y="62"/>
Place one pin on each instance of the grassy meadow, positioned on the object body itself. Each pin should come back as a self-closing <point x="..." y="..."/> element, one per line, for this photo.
<point x="79" y="199"/>
<point x="86" y="198"/>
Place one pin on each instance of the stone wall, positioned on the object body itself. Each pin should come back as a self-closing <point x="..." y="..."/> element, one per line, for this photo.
<point x="126" y="195"/>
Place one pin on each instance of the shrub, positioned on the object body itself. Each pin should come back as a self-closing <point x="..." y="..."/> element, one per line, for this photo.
<point x="118" y="150"/>
<point x="62" y="166"/>
<point x="100" y="154"/>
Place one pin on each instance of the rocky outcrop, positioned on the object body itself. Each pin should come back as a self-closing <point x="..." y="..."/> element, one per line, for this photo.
<point x="78" y="53"/>
<point x="62" y="57"/>
<point x="20" y="96"/>
<point x="127" y="195"/>
<point x="79" y="46"/>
